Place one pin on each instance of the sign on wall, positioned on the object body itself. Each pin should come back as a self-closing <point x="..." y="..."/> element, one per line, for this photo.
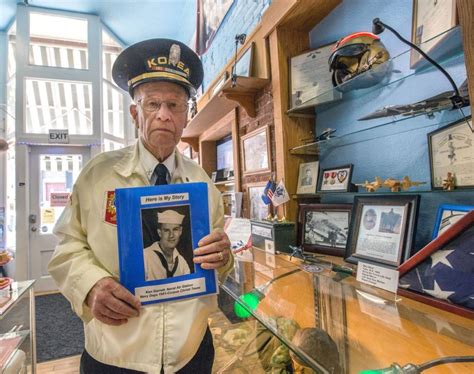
<point x="58" y="136"/>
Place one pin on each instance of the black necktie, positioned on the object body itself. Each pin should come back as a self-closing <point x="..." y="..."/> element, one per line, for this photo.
<point x="169" y="273"/>
<point x="161" y="173"/>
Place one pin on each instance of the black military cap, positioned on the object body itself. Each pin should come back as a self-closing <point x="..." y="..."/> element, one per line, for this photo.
<point x="158" y="60"/>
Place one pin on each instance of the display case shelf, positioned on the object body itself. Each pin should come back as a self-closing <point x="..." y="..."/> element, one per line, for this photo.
<point x="10" y="297"/>
<point x="9" y="344"/>
<point x="381" y="191"/>
<point x="400" y="71"/>
<point x="360" y="319"/>
<point x="382" y="130"/>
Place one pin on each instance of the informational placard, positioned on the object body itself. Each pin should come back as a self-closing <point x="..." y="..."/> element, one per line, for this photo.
<point x="377" y="276"/>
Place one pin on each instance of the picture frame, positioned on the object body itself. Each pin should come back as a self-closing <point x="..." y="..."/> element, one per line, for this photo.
<point x="447" y="215"/>
<point x="451" y="149"/>
<point x="244" y="65"/>
<point x="382" y="229"/>
<point x="210" y="15"/>
<point x="258" y="210"/>
<point x="307" y="178"/>
<point x="324" y="228"/>
<point x="310" y="81"/>
<point x="256" y="151"/>
<point x="419" y="276"/>
<point x="430" y="19"/>
<point x="336" y="179"/>
<point x="219" y="84"/>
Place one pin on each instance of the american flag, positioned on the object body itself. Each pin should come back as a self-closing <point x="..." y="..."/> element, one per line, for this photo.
<point x="268" y="192"/>
<point x="448" y="273"/>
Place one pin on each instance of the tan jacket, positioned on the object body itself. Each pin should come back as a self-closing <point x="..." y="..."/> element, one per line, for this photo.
<point x="167" y="333"/>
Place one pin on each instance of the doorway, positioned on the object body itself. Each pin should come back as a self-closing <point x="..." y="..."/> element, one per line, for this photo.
<point x="53" y="171"/>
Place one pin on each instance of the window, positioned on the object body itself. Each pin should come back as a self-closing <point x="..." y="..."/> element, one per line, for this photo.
<point x="113" y="100"/>
<point x="58" y="41"/>
<point x="58" y="105"/>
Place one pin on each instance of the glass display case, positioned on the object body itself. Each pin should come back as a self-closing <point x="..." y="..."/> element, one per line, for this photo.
<point x="17" y="328"/>
<point x="286" y="316"/>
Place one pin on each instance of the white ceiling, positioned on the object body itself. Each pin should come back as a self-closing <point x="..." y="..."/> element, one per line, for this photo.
<point x="130" y="20"/>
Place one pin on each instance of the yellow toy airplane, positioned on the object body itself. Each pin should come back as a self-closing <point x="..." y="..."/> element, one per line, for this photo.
<point x="371" y="186"/>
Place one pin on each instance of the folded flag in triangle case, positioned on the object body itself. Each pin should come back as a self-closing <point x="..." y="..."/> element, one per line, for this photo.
<point x="444" y="269"/>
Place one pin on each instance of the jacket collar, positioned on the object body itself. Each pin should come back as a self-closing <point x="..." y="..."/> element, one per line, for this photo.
<point x="130" y="164"/>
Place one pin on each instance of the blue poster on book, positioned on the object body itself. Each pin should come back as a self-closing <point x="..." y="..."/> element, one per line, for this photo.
<point x="158" y="228"/>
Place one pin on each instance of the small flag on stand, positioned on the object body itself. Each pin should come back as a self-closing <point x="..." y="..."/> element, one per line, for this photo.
<point x="280" y="195"/>
<point x="268" y="192"/>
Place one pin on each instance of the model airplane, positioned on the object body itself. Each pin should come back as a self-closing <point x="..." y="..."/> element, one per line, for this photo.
<point x="326" y="134"/>
<point x="371" y="186"/>
<point x="396" y="185"/>
<point x="428" y="106"/>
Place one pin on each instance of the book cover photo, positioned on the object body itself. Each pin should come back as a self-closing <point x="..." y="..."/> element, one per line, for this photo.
<point x="158" y="227"/>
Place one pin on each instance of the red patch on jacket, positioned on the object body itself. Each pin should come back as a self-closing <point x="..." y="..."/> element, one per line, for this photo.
<point x="110" y="211"/>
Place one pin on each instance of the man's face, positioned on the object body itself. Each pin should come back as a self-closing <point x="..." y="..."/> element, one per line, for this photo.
<point x="169" y="235"/>
<point x="161" y="130"/>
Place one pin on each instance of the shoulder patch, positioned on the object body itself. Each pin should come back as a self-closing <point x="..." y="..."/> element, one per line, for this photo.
<point x="110" y="214"/>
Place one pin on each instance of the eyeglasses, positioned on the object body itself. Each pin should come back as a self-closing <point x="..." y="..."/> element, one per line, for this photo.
<point x="153" y="105"/>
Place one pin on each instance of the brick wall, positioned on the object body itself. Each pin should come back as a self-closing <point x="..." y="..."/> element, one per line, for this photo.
<point x="242" y="17"/>
<point x="264" y="109"/>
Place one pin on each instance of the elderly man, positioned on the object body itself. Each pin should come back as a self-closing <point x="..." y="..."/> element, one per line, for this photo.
<point x="162" y="259"/>
<point x="121" y="336"/>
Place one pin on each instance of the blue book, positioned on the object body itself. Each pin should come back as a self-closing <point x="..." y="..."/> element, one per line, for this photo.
<point x="158" y="228"/>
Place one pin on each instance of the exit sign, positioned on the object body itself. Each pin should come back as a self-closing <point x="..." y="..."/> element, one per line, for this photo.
<point x="59" y="136"/>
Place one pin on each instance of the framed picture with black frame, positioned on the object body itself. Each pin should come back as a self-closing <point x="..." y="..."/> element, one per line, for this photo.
<point x="382" y="229"/>
<point x="451" y="150"/>
<point x="336" y="179"/>
<point x="324" y="228"/>
<point x="447" y="215"/>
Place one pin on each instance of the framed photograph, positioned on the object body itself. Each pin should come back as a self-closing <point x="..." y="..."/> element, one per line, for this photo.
<point x="257" y="208"/>
<point x="325" y="228"/>
<point x="440" y="274"/>
<point x="243" y="67"/>
<point x="382" y="229"/>
<point x="430" y="19"/>
<point x="310" y="78"/>
<point x="336" y="179"/>
<point x="210" y="14"/>
<point x="451" y="150"/>
<point x="447" y="215"/>
<point x="308" y="177"/>
<point x="256" y="151"/>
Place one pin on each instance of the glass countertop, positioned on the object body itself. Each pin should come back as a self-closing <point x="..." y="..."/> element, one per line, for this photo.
<point x="371" y="328"/>
<point x="10" y="295"/>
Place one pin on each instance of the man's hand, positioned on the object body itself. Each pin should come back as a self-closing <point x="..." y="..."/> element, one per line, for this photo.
<point x="213" y="251"/>
<point x="111" y="303"/>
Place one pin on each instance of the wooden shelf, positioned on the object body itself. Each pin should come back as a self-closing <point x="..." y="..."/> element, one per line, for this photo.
<point x="225" y="183"/>
<point x="223" y="102"/>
